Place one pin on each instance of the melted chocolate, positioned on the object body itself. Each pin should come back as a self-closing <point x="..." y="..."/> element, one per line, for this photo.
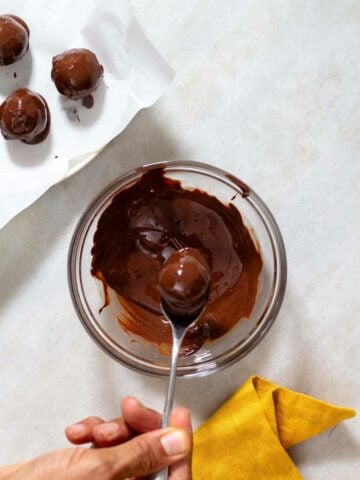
<point x="14" y="39"/>
<point x="25" y="116"/>
<point x="140" y="230"/>
<point x="76" y="73"/>
<point x="88" y="101"/>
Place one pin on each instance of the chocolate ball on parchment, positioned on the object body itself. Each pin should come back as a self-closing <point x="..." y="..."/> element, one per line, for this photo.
<point x="25" y="116"/>
<point x="76" y="74"/>
<point x="14" y="39"/>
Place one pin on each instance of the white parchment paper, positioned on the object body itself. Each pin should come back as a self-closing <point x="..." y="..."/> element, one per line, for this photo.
<point x="135" y="76"/>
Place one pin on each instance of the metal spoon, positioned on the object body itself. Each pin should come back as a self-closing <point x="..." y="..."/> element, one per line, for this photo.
<point x="180" y="324"/>
<point x="178" y="333"/>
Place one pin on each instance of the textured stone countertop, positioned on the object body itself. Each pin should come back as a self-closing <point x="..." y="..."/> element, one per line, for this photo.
<point x="270" y="91"/>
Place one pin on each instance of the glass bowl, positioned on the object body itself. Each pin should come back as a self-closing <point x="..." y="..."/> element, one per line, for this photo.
<point x="134" y="352"/>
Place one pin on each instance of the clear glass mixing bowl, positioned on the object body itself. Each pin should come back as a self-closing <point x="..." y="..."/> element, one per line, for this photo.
<point x="134" y="352"/>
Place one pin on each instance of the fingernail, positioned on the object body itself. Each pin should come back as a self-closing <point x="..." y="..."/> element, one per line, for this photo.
<point x="137" y="401"/>
<point x="76" y="430"/>
<point x="174" y="442"/>
<point x="108" y="429"/>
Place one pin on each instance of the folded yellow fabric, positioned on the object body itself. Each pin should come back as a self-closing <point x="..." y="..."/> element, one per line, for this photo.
<point x="247" y="437"/>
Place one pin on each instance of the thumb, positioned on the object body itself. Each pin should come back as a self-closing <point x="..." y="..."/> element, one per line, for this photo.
<point x="146" y="453"/>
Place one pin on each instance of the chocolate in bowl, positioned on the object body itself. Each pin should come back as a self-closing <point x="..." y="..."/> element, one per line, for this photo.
<point x="224" y="349"/>
<point x="143" y="226"/>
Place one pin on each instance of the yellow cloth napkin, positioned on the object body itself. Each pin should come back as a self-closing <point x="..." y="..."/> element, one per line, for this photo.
<point x="247" y="437"/>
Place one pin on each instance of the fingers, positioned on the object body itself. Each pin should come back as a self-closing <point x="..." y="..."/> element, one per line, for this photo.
<point x="182" y="469"/>
<point x="147" y="453"/>
<point x="138" y="417"/>
<point x="99" y="432"/>
<point x="112" y="433"/>
<point x="82" y="432"/>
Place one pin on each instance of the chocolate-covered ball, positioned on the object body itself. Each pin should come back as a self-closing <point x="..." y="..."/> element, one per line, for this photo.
<point x="76" y="73"/>
<point x="184" y="282"/>
<point x="14" y="39"/>
<point x="25" y="116"/>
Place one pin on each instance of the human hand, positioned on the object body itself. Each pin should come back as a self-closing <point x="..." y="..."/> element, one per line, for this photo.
<point x="127" y="447"/>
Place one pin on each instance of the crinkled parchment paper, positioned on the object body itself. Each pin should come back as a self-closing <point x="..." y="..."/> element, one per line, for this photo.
<point x="135" y="76"/>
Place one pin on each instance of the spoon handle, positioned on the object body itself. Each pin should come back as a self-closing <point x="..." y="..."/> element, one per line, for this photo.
<point x="178" y="335"/>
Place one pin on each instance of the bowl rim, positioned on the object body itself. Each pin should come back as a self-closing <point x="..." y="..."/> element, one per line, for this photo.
<point x="270" y="313"/>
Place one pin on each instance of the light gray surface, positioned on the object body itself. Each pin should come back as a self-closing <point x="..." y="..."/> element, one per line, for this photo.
<point x="268" y="90"/>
